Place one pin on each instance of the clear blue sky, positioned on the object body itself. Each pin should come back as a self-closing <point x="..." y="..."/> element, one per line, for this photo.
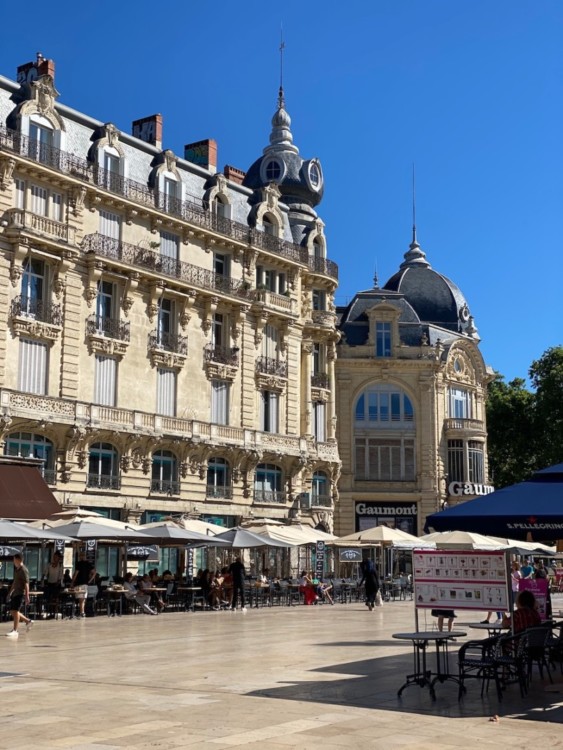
<point x="469" y="90"/>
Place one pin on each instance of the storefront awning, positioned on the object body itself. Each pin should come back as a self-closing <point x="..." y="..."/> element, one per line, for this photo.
<point x="24" y="495"/>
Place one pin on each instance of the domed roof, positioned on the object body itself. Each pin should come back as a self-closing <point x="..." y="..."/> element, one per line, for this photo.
<point x="434" y="297"/>
<point x="300" y="181"/>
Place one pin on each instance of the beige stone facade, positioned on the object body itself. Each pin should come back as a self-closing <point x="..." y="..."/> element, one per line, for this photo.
<point x="167" y="336"/>
<point x="411" y="389"/>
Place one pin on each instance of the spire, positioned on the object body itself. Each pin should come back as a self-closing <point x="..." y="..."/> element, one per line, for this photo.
<point x="375" y="277"/>
<point x="414" y="256"/>
<point x="281" y="137"/>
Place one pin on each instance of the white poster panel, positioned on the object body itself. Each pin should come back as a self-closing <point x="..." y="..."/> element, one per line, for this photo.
<point x="460" y="579"/>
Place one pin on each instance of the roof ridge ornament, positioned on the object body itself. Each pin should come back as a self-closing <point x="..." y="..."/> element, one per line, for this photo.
<point x="414" y="256"/>
<point x="281" y="137"/>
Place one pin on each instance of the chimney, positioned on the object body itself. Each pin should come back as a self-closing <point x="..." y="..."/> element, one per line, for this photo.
<point x="149" y="130"/>
<point x="233" y="174"/>
<point x="203" y="153"/>
<point x="32" y="70"/>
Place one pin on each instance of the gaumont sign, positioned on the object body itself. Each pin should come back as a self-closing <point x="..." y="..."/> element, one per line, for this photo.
<point x="371" y="509"/>
<point x="459" y="489"/>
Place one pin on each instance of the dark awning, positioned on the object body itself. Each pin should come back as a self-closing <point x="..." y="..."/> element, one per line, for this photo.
<point x="24" y="495"/>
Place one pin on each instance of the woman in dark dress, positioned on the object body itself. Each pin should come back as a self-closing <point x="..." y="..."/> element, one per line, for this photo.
<point x="369" y="577"/>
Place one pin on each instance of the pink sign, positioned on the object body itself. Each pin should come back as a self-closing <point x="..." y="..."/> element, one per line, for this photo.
<point x="538" y="587"/>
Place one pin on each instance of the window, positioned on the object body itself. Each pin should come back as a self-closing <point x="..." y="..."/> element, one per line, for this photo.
<point x="219" y="402"/>
<point x="103" y="467"/>
<point x="166" y="327"/>
<point x="220" y="331"/>
<point x="110" y="224"/>
<point x="455" y="461"/>
<point x="269" y="411"/>
<point x="40" y="143"/>
<point x="38" y="200"/>
<point x="166" y="392"/>
<point x="271" y="280"/>
<point x="33" y="287"/>
<point x="111" y="163"/>
<point x="33" y="366"/>
<point x="319" y="358"/>
<point x="459" y="403"/>
<point x="270" y="341"/>
<point x="318" y="250"/>
<point x="105" y="380"/>
<point x="273" y="170"/>
<point x="269" y="226"/>
<point x="169" y="245"/>
<point x="320" y="493"/>
<point x="19" y="197"/>
<point x="222" y="264"/>
<point x="268" y="484"/>
<point x="475" y="460"/>
<point x="221" y="208"/>
<point x="319" y="299"/>
<point x="319" y="421"/>
<point x="171" y="195"/>
<point x="106" y="304"/>
<point x="28" y="444"/>
<point x="380" y="404"/>
<point x="382" y="339"/>
<point x="385" y="459"/>
<point x="218" y="479"/>
<point x="164" y="478"/>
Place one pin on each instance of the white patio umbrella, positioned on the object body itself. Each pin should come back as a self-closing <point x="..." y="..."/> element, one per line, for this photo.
<point x="192" y="524"/>
<point x="74" y="513"/>
<point x="11" y="531"/>
<point x="387" y="537"/>
<point x="244" y="539"/>
<point x="88" y="529"/>
<point x="172" y="535"/>
<point x="295" y="535"/>
<point x="463" y="540"/>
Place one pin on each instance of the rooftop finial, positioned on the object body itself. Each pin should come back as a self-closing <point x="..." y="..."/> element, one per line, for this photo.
<point x="413" y="206"/>
<point x="375" y="277"/>
<point x="281" y="99"/>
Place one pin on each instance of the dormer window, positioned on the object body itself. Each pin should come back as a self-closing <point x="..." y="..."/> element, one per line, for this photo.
<point x="382" y="339"/>
<point x="221" y="208"/>
<point x="269" y="226"/>
<point x="40" y="142"/>
<point x="273" y="170"/>
<point x="171" y="194"/>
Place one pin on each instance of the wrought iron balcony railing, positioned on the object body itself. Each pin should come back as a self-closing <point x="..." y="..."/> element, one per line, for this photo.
<point x="320" y="380"/>
<point x="191" y="210"/>
<point x="271" y="366"/>
<point x="112" y="328"/>
<point x="50" y="476"/>
<point x="168" y="342"/>
<point x="321" y="501"/>
<point x="37" y="309"/>
<point x="104" y="481"/>
<point x="165" y="487"/>
<point x="224" y="355"/>
<point x="219" y="493"/>
<point x="269" y="496"/>
<point x="134" y="255"/>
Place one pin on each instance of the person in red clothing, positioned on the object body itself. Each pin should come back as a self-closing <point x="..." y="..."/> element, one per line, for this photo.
<point x="526" y="615"/>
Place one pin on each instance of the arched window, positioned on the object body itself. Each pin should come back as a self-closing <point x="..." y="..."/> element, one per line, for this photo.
<point x="164" y="477"/>
<point x="384" y="426"/>
<point x="103" y="467"/>
<point x="270" y="226"/>
<point x="170" y="194"/>
<point x="29" y="444"/>
<point x="320" y="490"/>
<point x="268" y="484"/>
<point x="221" y="207"/>
<point x="219" y="479"/>
<point x="318" y="249"/>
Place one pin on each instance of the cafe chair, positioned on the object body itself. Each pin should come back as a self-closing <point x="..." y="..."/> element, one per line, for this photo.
<point x="476" y="660"/>
<point x="538" y="649"/>
<point x="511" y="660"/>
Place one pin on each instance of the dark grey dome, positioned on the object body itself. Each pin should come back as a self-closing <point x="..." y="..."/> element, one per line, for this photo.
<point x="299" y="181"/>
<point x="434" y="297"/>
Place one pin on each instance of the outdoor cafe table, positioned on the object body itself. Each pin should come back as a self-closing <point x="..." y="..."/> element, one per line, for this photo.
<point x="422" y="676"/>
<point x="189" y="592"/>
<point x="492" y="628"/>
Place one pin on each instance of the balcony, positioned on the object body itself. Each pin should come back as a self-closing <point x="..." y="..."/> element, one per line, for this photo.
<point x="168" y="342"/>
<point x="223" y="355"/>
<point x="19" y="220"/>
<point x="270" y="496"/>
<point x="36" y="309"/>
<point x="321" y="501"/>
<point x="271" y="366"/>
<point x="50" y="476"/>
<point x="320" y="380"/>
<point x="467" y="427"/>
<point x="133" y="255"/>
<point x="165" y="487"/>
<point x="191" y="211"/>
<point x="103" y="482"/>
<point x="219" y="493"/>
<point x="108" y="335"/>
<point x="323" y="318"/>
<point x="279" y="302"/>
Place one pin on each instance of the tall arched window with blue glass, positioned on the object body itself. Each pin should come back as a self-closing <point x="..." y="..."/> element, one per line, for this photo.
<point x="384" y="435"/>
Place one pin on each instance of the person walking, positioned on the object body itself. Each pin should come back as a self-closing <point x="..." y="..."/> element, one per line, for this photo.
<point x="238" y="574"/>
<point x="369" y="577"/>
<point x="18" y="594"/>
<point x="80" y="579"/>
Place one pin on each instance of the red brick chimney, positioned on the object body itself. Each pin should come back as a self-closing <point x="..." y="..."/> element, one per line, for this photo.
<point x="203" y="153"/>
<point x="149" y="130"/>
<point x="233" y="174"/>
<point x="30" y="71"/>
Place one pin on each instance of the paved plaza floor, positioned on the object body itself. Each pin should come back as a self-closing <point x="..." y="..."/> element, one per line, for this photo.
<point x="305" y="677"/>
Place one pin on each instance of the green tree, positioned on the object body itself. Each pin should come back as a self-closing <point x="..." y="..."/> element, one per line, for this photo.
<point x="511" y="432"/>
<point x="546" y="376"/>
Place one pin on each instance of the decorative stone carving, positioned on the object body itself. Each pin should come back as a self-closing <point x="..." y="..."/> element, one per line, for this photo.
<point x="170" y="360"/>
<point x="99" y="344"/>
<point x="42" y="96"/>
<point x="7" y="166"/>
<point x="77" y="198"/>
<point x="35" y="329"/>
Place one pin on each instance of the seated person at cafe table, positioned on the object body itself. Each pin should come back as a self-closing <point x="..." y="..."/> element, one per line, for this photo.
<point x="147" y="586"/>
<point x="526" y="614"/>
<point x="133" y="593"/>
<point x="307" y="586"/>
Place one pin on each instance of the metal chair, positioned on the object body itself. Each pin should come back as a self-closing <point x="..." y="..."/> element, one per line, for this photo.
<point x="476" y="661"/>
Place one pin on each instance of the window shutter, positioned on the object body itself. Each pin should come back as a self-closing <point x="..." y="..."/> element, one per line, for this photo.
<point x="219" y="402"/>
<point x="105" y="380"/>
<point x="33" y="367"/>
<point x="166" y="392"/>
<point x="38" y="200"/>
<point x="110" y="224"/>
<point x="169" y="245"/>
<point x="19" y="186"/>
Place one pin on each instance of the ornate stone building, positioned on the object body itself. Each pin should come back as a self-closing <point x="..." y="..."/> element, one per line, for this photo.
<point x="167" y="331"/>
<point x="411" y="386"/>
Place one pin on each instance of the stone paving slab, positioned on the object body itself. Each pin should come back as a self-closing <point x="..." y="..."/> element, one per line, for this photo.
<point x="306" y="677"/>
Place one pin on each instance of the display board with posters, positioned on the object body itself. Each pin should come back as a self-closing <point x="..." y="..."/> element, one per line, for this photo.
<point x="460" y="579"/>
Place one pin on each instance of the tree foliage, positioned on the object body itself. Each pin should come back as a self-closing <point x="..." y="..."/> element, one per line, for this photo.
<point x="525" y="427"/>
